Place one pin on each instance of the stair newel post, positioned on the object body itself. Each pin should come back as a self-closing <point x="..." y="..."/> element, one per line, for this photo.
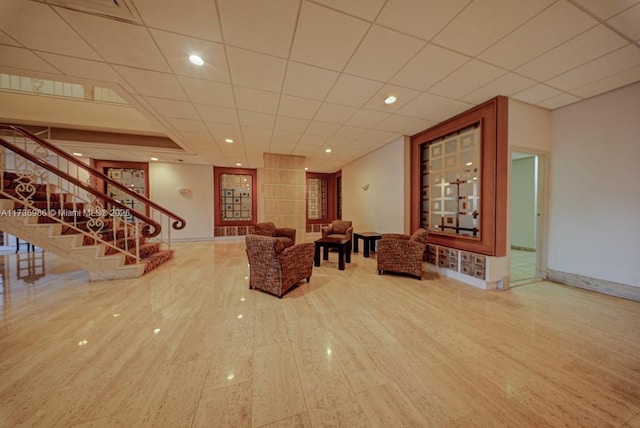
<point x="137" y="232"/>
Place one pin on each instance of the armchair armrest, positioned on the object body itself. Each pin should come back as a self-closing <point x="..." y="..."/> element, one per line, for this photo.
<point x="349" y="234"/>
<point x="326" y="231"/>
<point x="287" y="233"/>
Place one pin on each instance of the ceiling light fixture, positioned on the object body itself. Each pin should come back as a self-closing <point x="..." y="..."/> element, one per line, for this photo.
<point x="154" y="159"/>
<point x="228" y="140"/>
<point x="195" y="59"/>
<point x="327" y="151"/>
<point x="390" y="99"/>
<point x="238" y="164"/>
<point x="306" y="169"/>
<point x="77" y="154"/>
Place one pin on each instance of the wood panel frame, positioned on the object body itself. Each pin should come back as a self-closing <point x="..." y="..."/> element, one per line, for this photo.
<point x="331" y="197"/>
<point x="493" y="118"/>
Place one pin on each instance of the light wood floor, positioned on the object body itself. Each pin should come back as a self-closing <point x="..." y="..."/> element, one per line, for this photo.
<point x="190" y="345"/>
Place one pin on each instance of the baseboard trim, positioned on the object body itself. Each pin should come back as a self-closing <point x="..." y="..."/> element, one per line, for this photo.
<point x="598" y="285"/>
<point x="516" y="247"/>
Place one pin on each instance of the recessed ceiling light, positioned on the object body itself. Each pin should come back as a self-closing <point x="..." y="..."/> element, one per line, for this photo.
<point x="327" y="150"/>
<point x="228" y="140"/>
<point x="238" y="164"/>
<point x="469" y="163"/>
<point x="306" y="169"/>
<point x="195" y="59"/>
<point x="77" y="154"/>
<point x="390" y="99"/>
<point x="154" y="159"/>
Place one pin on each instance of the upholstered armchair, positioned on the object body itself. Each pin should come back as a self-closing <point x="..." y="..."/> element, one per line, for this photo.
<point x="338" y="229"/>
<point x="402" y="253"/>
<point x="284" y="234"/>
<point x="275" y="268"/>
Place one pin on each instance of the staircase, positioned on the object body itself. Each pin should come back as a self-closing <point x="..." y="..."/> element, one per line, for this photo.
<point x="52" y="200"/>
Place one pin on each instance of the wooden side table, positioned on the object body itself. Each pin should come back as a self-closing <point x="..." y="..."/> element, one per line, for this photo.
<point x="342" y="244"/>
<point x="369" y="239"/>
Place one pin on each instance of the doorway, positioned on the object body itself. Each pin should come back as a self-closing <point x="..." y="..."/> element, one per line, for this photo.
<point x="525" y="233"/>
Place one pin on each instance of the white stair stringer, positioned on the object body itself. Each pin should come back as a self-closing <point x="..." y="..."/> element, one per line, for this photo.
<point x="91" y="257"/>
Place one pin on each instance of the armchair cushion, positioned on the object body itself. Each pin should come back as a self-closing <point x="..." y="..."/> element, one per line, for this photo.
<point x="401" y="253"/>
<point x="284" y="234"/>
<point x="338" y="229"/>
<point x="275" y="268"/>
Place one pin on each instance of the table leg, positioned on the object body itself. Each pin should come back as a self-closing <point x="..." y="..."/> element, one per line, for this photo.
<point x="367" y="244"/>
<point x="355" y="245"/>
<point x="372" y="244"/>
<point x="348" y="249"/>
<point x="325" y="253"/>
<point x="316" y="256"/>
<point x="341" y="257"/>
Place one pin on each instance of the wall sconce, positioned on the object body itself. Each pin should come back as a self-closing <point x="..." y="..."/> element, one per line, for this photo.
<point x="183" y="190"/>
<point x="365" y="187"/>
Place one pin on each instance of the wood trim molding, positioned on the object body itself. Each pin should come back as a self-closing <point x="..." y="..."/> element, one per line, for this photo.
<point x="492" y="115"/>
<point x="598" y="285"/>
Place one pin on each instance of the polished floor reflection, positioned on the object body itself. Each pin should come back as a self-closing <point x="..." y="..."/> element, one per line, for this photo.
<point x="189" y="345"/>
<point x="522" y="265"/>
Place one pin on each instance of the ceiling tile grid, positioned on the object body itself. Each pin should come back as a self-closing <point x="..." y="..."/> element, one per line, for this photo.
<point x="298" y="76"/>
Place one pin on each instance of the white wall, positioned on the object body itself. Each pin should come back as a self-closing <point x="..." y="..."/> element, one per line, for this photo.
<point x="523" y="203"/>
<point x="381" y="207"/>
<point x="529" y="127"/>
<point x="594" y="227"/>
<point x="195" y="207"/>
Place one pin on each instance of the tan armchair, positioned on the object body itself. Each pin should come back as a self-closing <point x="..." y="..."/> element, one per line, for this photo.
<point x="275" y="268"/>
<point x="338" y="229"/>
<point x="402" y="253"/>
<point x="284" y="234"/>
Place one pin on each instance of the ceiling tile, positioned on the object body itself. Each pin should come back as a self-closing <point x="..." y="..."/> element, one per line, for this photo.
<point x="428" y="67"/>
<point x="382" y="53"/>
<point x="559" y="101"/>
<point x="177" y="49"/>
<point x="423" y="104"/>
<point x="5" y="39"/>
<point x="85" y="68"/>
<point x="587" y="46"/>
<point x="303" y="150"/>
<point x="223" y="131"/>
<point x="353" y="91"/>
<point x="547" y="30"/>
<point x="11" y="56"/>
<point x="403" y="96"/>
<point x="448" y="111"/>
<point x="291" y="124"/>
<point x="256" y="134"/>
<point x="301" y="108"/>
<point x="312" y="140"/>
<point x="334" y="113"/>
<point x="256" y="70"/>
<point x="207" y="92"/>
<point x="108" y="36"/>
<point x="420" y="18"/>
<point x="537" y="93"/>
<point x="217" y="114"/>
<point x="605" y="9"/>
<point x="199" y="19"/>
<point x="46" y="30"/>
<point x="367" y="118"/>
<point x="260" y="26"/>
<point x="609" y="83"/>
<point x="153" y="83"/>
<point x="350" y="132"/>
<point x="187" y="125"/>
<point x="603" y="67"/>
<point x="483" y="23"/>
<point x="309" y="82"/>
<point x="628" y="22"/>
<point x="506" y="85"/>
<point x="365" y="9"/>
<point x="323" y="129"/>
<point x="172" y="108"/>
<point x="375" y="136"/>
<point x="396" y="123"/>
<point x="256" y="100"/>
<point x="326" y="38"/>
<point x="285" y="137"/>
<point x="466" y="79"/>
<point x="258" y="120"/>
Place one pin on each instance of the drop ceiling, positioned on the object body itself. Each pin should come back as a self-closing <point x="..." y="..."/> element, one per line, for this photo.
<point x="296" y="77"/>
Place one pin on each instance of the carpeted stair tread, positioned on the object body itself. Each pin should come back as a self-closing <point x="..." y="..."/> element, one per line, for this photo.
<point x="156" y="260"/>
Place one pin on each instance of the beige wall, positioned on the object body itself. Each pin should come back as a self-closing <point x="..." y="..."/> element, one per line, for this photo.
<point x="380" y="208"/>
<point x="594" y="227"/>
<point x="196" y="207"/>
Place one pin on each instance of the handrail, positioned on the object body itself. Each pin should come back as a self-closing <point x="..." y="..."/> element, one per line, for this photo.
<point x="42" y="163"/>
<point x="179" y="222"/>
